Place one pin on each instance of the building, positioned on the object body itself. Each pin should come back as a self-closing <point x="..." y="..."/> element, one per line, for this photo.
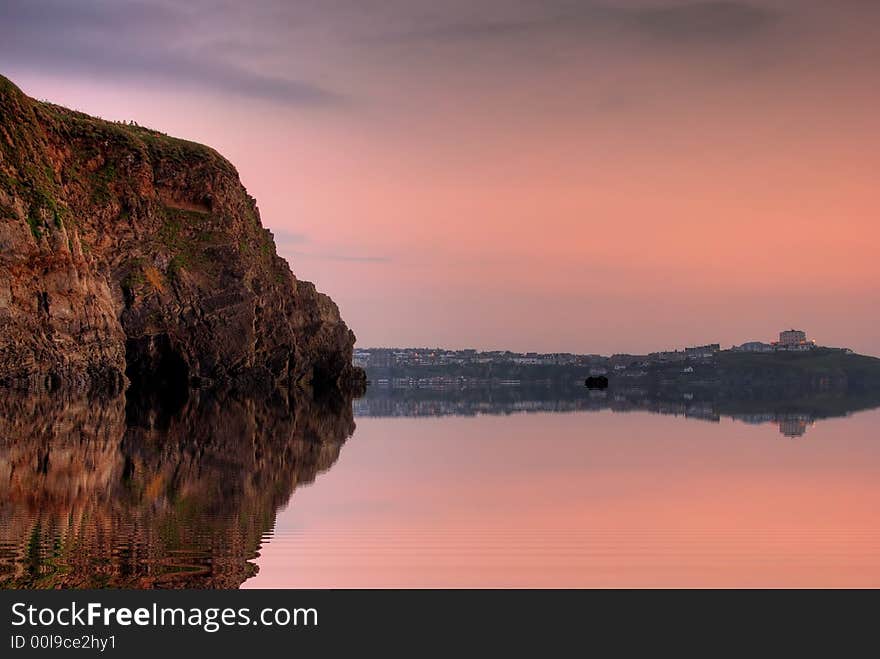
<point x="702" y="352"/>
<point x="668" y="356"/>
<point x="793" y="341"/>
<point x="792" y="337"/>
<point x="755" y="346"/>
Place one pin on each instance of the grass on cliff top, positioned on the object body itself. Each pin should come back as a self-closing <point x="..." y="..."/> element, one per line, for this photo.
<point x="8" y="87"/>
<point x="25" y="171"/>
<point x="74" y="124"/>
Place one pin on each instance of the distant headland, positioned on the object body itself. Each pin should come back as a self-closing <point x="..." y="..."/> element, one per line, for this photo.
<point x="791" y="382"/>
<point x="792" y="363"/>
<point x="790" y="341"/>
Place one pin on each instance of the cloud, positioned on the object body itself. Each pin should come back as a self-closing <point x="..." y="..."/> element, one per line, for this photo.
<point x="709" y="21"/>
<point x="277" y="50"/>
<point x="285" y="237"/>
<point x="342" y="257"/>
<point x="706" y="20"/>
<point x="125" y="40"/>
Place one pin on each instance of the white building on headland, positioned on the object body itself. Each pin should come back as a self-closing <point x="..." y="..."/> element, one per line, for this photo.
<point x="794" y="340"/>
<point x="792" y="337"/>
<point x="791" y="340"/>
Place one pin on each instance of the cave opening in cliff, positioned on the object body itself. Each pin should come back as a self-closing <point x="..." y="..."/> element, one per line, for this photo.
<point x="158" y="373"/>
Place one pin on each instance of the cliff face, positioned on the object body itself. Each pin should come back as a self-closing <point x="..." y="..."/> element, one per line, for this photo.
<point x="124" y="250"/>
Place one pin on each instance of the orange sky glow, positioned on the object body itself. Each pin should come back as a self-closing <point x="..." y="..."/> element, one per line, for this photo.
<point x="629" y="178"/>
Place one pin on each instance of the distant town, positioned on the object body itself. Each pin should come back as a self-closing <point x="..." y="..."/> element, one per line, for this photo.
<point x="790" y="382"/>
<point x="373" y="359"/>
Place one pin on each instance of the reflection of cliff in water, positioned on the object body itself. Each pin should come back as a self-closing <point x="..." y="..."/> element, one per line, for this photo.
<point x="793" y="409"/>
<point x="90" y="498"/>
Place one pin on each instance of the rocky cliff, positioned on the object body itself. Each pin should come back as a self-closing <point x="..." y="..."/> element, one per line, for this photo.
<point x="125" y="251"/>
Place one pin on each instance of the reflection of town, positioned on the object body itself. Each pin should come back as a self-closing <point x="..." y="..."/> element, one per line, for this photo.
<point x="793" y="425"/>
<point x="95" y="493"/>
<point x="793" y="416"/>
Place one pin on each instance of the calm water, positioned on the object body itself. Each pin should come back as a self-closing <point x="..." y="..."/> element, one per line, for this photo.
<point x="487" y="488"/>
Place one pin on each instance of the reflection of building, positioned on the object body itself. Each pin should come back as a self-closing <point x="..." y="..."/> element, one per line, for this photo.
<point x="790" y="425"/>
<point x="794" y="426"/>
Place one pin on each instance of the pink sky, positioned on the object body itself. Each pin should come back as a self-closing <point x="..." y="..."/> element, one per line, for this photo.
<point x="627" y="178"/>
